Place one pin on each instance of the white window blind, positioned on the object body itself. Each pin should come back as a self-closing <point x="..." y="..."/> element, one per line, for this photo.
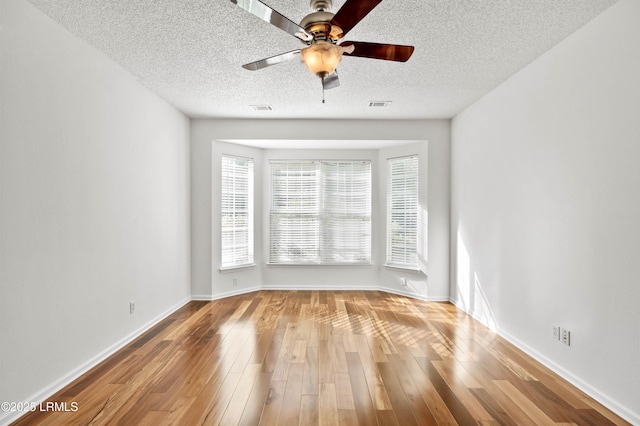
<point x="320" y="212"/>
<point x="237" y="212"/>
<point x="402" y="212"/>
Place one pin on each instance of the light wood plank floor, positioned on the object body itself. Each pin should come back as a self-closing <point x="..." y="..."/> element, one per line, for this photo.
<point x="327" y="358"/>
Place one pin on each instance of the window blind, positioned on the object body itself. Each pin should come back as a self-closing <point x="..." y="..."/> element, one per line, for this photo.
<point x="402" y="211"/>
<point x="237" y="212"/>
<point x="320" y="212"/>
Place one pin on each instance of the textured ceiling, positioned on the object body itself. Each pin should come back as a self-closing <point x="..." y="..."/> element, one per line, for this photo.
<point x="190" y="53"/>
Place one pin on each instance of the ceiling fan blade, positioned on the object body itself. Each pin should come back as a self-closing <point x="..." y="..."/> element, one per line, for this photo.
<point x="352" y="12"/>
<point x="267" y="62"/>
<point x="387" y="52"/>
<point x="331" y="81"/>
<point x="264" y="12"/>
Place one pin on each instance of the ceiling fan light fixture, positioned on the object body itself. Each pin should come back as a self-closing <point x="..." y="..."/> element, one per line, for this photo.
<point x="322" y="57"/>
<point x="322" y="31"/>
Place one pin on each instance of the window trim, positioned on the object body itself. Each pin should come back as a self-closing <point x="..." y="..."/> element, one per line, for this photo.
<point x="236" y="268"/>
<point x="250" y="190"/>
<point x="321" y="213"/>
<point x="388" y="244"/>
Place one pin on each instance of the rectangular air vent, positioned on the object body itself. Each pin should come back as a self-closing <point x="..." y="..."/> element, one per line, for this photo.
<point x="262" y="107"/>
<point x="379" y="104"/>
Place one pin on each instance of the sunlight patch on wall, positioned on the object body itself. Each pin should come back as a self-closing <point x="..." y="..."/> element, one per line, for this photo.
<point x="470" y="295"/>
<point x="462" y="276"/>
<point x="481" y="309"/>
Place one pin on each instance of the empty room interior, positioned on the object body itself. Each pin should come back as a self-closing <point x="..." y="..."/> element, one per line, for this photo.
<point x="196" y="229"/>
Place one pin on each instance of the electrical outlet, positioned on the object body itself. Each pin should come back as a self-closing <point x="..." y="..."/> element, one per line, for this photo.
<point x="132" y="307"/>
<point x="235" y="281"/>
<point x="556" y="332"/>
<point x="403" y="282"/>
<point x="565" y="336"/>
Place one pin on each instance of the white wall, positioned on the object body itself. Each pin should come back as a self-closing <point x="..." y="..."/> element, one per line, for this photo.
<point x="207" y="281"/>
<point x="545" y="207"/>
<point x="94" y="206"/>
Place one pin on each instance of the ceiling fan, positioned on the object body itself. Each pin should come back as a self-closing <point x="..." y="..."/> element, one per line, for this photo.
<point x="322" y="32"/>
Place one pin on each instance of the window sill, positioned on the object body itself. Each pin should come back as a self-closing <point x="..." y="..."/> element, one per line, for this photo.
<point x="319" y="264"/>
<point x="403" y="268"/>
<point x="236" y="268"/>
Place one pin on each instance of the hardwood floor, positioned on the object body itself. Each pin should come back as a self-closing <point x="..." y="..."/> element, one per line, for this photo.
<point x="327" y="358"/>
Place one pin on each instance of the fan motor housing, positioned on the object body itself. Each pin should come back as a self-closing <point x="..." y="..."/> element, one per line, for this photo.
<point x="319" y="24"/>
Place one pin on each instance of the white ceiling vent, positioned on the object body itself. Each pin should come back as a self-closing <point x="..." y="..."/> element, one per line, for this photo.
<point x="379" y="104"/>
<point x="262" y="107"/>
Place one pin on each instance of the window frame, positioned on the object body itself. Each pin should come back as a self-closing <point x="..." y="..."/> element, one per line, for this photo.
<point x="249" y="230"/>
<point x="404" y="217"/>
<point x="323" y="215"/>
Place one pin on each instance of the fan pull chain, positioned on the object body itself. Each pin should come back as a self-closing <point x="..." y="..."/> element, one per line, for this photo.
<point x="322" y="90"/>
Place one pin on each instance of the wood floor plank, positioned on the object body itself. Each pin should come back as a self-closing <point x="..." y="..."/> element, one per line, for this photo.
<point x="455" y="406"/>
<point x="412" y="392"/>
<point x="321" y="358"/>
<point x="387" y="418"/>
<point x="328" y="405"/>
<point x="222" y="399"/>
<point x="361" y="397"/>
<point x="613" y="417"/>
<point x="344" y="392"/>
<point x="494" y="400"/>
<point x="290" y="410"/>
<point x="434" y="401"/>
<point x="311" y="380"/>
<point x="374" y="381"/>
<point x="533" y="411"/>
<point x="240" y="396"/>
<point x="309" y="406"/>
<point x="555" y="407"/>
<point x="100" y="371"/>
<point x="399" y="402"/>
<point x="154" y="418"/>
<point x="181" y="407"/>
<point x="273" y="403"/>
<point x="347" y="417"/>
<point x="256" y="400"/>
<point x="514" y="410"/>
<point x="493" y="407"/>
<point x="459" y="388"/>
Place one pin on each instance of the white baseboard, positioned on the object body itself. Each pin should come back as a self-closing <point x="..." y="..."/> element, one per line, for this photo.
<point x="610" y="403"/>
<point x="400" y="292"/>
<point x="226" y="294"/>
<point x="328" y="287"/>
<point x="43" y="394"/>
<point x="413" y="295"/>
<point x="218" y="296"/>
<point x="201" y="297"/>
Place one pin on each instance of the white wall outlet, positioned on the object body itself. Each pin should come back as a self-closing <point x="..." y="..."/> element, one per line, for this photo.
<point x="565" y="336"/>
<point x="403" y="282"/>
<point x="132" y="307"/>
<point x="556" y="332"/>
<point x="235" y="281"/>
